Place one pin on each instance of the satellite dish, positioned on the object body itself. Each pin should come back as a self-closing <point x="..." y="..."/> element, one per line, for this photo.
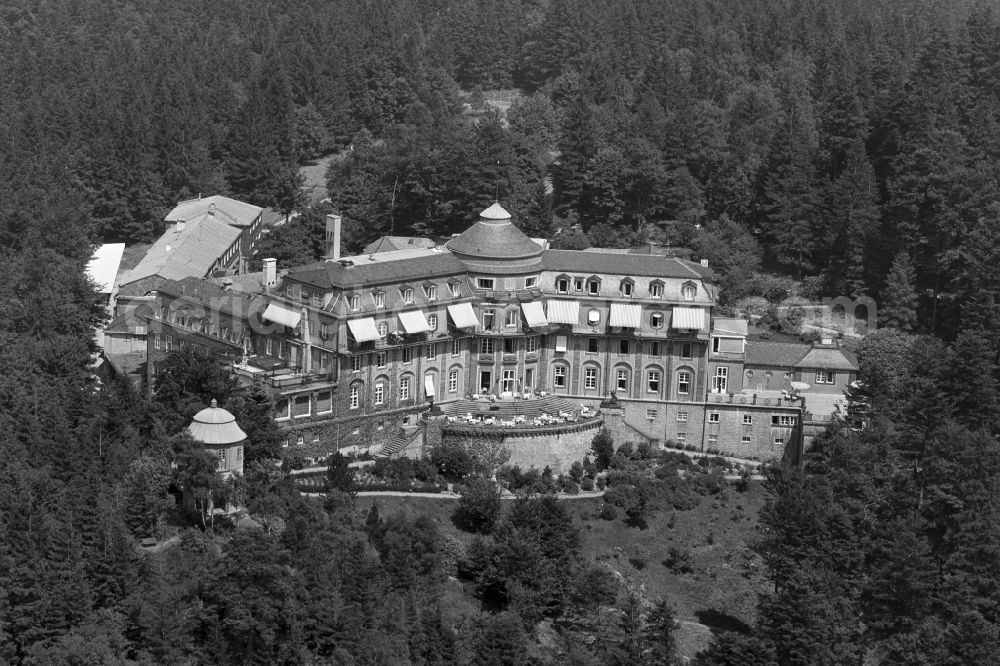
<point x="799" y="386"/>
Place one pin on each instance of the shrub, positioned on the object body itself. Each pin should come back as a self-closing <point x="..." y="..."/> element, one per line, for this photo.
<point x="453" y="460"/>
<point x="479" y="507"/>
<point x="603" y="447"/>
<point x="626" y="450"/>
<point x="576" y="471"/>
<point x="608" y="512"/>
<point x="601" y="483"/>
<point x="587" y="483"/>
<point x="709" y="483"/>
<point x="570" y="487"/>
<point x="638" y="556"/>
<point x="644" y="450"/>
<point x="678" y="561"/>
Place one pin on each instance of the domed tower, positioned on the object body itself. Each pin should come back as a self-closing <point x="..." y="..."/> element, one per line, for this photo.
<point x="494" y="246"/>
<point x="216" y="430"/>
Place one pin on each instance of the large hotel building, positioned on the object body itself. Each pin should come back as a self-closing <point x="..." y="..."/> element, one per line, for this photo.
<point x="507" y="339"/>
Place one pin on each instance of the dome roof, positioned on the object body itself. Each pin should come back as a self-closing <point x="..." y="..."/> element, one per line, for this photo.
<point x="494" y="236"/>
<point x="214" y="425"/>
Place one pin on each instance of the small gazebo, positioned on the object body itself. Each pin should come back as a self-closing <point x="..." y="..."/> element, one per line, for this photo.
<point x="216" y="430"/>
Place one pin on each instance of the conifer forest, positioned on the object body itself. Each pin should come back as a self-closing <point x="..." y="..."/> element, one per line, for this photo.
<point x="845" y="148"/>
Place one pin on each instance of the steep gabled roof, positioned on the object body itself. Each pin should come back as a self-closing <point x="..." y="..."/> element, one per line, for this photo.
<point x="587" y="261"/>
<point x="187" y="252"/>
<point x="223" y="209"/>
<point x="103" y="266"/>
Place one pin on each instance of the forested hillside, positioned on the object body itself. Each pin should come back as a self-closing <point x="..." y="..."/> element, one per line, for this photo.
<point x="853" y="145"/>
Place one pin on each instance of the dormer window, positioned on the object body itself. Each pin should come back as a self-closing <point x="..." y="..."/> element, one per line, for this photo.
<point x="379" y="297"/>
<point x="689" y="291"/>
<point x="407" y="295"/>
<point x="578" y="284"/>
<point x="562" y="285"/>
<point x="594" y="286"/>
<point x="489" y="317"/>
<point x="530" y="282"/>
<point x="656" y="289"/>
<point x="594" y="317"/>
<point x="627" y="287"/>
<point x="656" y="320"/>
<point x="431" y="292"/>
<point x="485" y="283"/>
<point x="456" y="290"/>
<point x="355" y="303"/>
<point x="383" y="329"/>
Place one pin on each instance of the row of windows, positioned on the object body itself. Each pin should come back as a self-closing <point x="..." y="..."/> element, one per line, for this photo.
<point x="379" y="389"/>
<point x="488" y="345"/>
<point x="529" y="282"/>
<point x="747" y="419"/>
<point x="713" y="438"/>
<point x="560" y="378"/>
<point x="592" y="286"/>
<point x="406" y="294"/>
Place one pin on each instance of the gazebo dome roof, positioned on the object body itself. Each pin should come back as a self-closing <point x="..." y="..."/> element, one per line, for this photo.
<point x="215" y="426"/>
<point x="494" y="236"/>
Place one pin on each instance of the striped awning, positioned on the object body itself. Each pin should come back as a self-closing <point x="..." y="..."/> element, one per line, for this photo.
<point x="463" y="316"/>
<point x="563" y="312"/>
<point x="279" y="314"/>
<point x="627" y="315"/>
<point x="688" y="319"/>
<point x="534" y="314"/>
<point x="414" y="321"/>
<point x="363" y="330"/>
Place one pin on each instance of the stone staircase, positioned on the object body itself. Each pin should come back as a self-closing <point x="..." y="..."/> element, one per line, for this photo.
<point x="399" y="442"/>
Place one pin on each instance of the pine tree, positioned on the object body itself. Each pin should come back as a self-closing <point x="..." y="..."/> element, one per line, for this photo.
<point x="899" y="299"/>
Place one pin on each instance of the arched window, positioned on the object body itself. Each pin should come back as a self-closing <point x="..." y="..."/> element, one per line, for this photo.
<point x="689" y="291"/>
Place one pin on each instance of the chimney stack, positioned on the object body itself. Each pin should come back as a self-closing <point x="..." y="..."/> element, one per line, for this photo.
<point x="333" y="223"/>
<point x="270" y="272"/>
<point x="704" y="262"/>
<point x="181" y="224"/>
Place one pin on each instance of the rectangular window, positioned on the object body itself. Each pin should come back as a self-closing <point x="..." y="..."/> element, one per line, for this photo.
<point x="431" y="291"/>
<point x="486" y="345"/>
<point x="592" y="346"/>
<point x="784" y="420"/>
<point x="485" y="283"/>
<point x="683" y="383"/>
<point x="379" y="396"/>
<point x="686" y="350"/>
<point x="779" y="441"/>
<point x="578" y="284"/>
<point x="650" y="414"/>
<point x="168" y="343"/>
<point x="379" y="297"/>
<point x="590" y="378"/>
<point x="355" y="397"/>
<point x="748" y="419"/>
<point x="355" y="303"/>
<point x="623" y="346"/>
<point x="713" y="417"/>
<point x="594" y="287"/>
<point x="407" y="354"/>
<point x="324" y="361"/>
<point x="456" y="290"/>
<point x="281" y="408"/>
<point x="627" y="288"/>
<point x="720" y="382"/>
<point x="407" y="295"/>
<point x="531" y="344"/>
<point x="453" y="381"/>
<point x="324" y="402"/>
<point x="429" y="352"/>
<point x="561" y="342"/>
<point x="746" y="439"/>
<point x="656" y="290"/>
<point x="530" y="282"/>
<point x="562" y="286"/>
<point x="456" y="347"/>
<point x="300" y="406"/>
<point x="654" y="348"/>
<point x="682" y="416"/>
<point x="824" y="377"/>
<point x="715" y="344"/>
<point x="682" y="437"/>
<point x="713" y="438"/>
<point x="380" y="359"/>
<point x="356" y="363"/>
<point x="509" y="345"/>
<point x="559" y="376"/>
<point x="404" y="388"/>
<point x="489" y="317"/>
<point x="156" y="341"/>
<point x="653" y="381"/>
<point x="621" y="379"/>
<point x="512" y="318"/>
<point x="432" y="323"/>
